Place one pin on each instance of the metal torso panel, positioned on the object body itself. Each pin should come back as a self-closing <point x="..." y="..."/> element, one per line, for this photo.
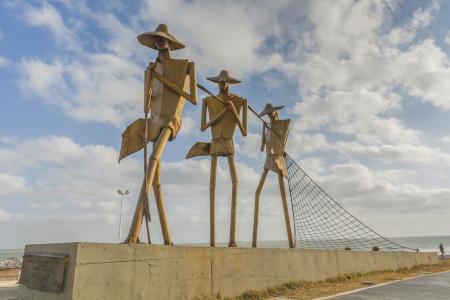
<point x="225" y="127"/>
<point x="166" y="105"/>
<point x="275" y="144"/>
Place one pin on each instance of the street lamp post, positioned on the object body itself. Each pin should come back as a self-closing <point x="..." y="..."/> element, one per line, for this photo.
<point x="120" y="216"/>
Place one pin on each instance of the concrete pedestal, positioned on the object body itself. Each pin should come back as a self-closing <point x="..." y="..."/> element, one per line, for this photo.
<point x="112" y="271"/>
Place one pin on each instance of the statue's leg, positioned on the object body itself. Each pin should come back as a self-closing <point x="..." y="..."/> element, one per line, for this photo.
<point x="234" y="180"/>
<point x="135" y="228"/>
<point x="286" y="210"/>
<point x="160" y="205"/>
<point x="212" y="203"/>
<point x="256" y="213"/>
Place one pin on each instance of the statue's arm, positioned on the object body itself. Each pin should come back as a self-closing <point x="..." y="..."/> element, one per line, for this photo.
<point x="192" y="97"/>
<point x="244" y="117"/>
<point x="214" y="120"/>
<point x="148" y="81"/>
<point x="204" y="110"/>
<point x="236" y="116"/>
<point x="263" y="138"/>
<point x="193" y="84"/>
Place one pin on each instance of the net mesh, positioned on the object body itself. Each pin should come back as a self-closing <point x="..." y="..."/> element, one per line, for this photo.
<point x="322" y="223"/>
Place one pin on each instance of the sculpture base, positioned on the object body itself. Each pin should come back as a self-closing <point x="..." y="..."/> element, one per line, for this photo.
<point x="120" y="271"/>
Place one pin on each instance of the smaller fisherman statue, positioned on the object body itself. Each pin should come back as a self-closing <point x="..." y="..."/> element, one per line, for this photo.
<point x="273" y="141"/>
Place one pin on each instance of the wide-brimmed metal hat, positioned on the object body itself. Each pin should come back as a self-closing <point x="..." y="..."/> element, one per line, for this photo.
<point x="269" y="108"/>
<point x="148" y="38"/>
<point x="223" y="77"/>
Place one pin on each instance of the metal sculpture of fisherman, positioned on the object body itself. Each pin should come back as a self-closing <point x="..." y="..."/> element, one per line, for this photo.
<point x="168" y="83"/>
<point x="273" y="141"/>
<point x="224" y="114"/>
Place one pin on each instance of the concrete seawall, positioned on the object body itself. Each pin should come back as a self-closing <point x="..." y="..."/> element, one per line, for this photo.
<point x="111" y="271"/>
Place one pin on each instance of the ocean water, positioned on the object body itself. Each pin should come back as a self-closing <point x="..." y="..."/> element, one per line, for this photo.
<point x="7" y="253"/>
<point x="423" y="243"/>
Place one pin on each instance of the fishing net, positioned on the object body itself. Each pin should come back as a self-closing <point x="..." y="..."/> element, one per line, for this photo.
<point x="322" y="223"/>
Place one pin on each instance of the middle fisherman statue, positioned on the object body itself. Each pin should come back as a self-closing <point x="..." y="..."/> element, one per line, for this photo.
<point x="224" y="114"/>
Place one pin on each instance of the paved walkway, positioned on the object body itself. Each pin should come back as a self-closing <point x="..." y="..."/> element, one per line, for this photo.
<point x="433" y="287"/>
<point x="430" y="287"/>
<point x="8" y="292"/>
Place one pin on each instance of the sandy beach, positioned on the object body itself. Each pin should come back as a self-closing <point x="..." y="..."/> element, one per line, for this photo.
<point x="9" y="275"/>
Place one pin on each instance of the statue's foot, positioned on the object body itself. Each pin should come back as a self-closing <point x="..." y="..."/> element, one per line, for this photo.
<point x="232" y="244"/>
<point x="132" y="240"/>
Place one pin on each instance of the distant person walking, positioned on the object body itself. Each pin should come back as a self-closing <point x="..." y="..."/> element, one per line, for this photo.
<point x="441" y="248"/>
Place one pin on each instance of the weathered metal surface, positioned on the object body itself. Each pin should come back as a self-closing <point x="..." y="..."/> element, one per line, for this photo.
<point x="166" y="87"/>
<point x="44" y="271"/>
<point x="224" y="112"/>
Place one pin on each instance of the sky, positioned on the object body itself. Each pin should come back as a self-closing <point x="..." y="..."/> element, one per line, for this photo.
<point x="366" y="84"/>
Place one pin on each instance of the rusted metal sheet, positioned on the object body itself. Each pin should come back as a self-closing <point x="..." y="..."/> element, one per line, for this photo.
<point x="44" y="271"/>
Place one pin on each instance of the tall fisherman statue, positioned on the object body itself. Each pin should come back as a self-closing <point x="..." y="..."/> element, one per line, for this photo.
<point x="168" y="83"/>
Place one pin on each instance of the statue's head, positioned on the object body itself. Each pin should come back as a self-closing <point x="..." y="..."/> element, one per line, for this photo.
<point x="224" y="80"/>
<point x="160" y="39"/>
<point x="223" y="85"/>
<point x="270" y="110"/>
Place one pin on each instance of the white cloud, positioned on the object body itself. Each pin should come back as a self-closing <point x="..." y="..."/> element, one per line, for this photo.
<point x="233" y="33"/>
<point x="346" y="56"/>
<point x="302" y="143"/>
<point x="420" y="19"/>
<point x="89" y="86"/>
<point x="350" y="77"/>
<point x="107" y="86"/>
<point x="378" y="130"/>
<point x="352" y="68"/>
<point x="78" y="183"/>
<point x="122" y="40"/>
<point x="11" y="184"/>
<point x="63" y="165"/>
<point x="43" y="79"/>
<point x="367" y="191"/>
<point x="3" y="61"/>
<point x="49" y="17"/>
<point x="447" y="38"/>
<point x="424" y="71"/>
<point x="4" y="216"/>
<point x="103" y="87"/>
<point x="355" y="113"/>
<point x="250" y="146"/>
<point x="392" y="153"/>
<point x="313" y="166"/>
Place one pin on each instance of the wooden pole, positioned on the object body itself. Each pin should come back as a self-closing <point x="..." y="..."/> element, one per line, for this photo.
<point x="148" y="79"/>
<point x="286" y="210"/>
<point x="212" y="203"/>
<point x="234" y="179"/>
<point x="256" y="212"/>
<point x="160" y="205"/>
